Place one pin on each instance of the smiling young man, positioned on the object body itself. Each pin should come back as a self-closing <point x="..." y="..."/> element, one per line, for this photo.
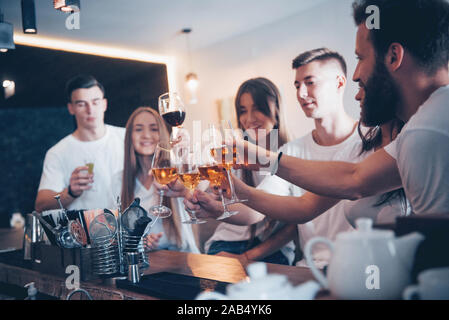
<point x="403" y="69"/>
<point x="65" y="171"/>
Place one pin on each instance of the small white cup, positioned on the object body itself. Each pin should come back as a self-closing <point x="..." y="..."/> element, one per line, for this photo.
<point x="433" y="284"/>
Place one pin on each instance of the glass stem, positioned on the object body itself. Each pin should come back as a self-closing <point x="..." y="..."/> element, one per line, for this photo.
<point x="154" y="222"/>
<point x="223" y="200"/>
<point x="193" y="215"/>
<point x="161" y="197"/>
<point x="231" y="185"/>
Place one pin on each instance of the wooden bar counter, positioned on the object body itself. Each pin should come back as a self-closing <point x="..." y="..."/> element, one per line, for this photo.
<point x="198" y="265"/>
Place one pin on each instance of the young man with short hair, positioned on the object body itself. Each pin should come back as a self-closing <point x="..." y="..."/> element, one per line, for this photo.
<point x="65" y="171"/>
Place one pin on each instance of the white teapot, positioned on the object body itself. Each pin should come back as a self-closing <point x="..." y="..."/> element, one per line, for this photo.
<point x="263" y="286"/>
<point x="366" y="263"/>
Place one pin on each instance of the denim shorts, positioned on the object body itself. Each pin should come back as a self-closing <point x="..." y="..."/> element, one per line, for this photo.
<point x="239" y="247"/>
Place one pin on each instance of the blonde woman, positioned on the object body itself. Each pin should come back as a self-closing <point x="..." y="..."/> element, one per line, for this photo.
<point x="144" y="130"/>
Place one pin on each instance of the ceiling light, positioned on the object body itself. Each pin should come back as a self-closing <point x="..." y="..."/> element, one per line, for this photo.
<point x="9" y="88"/>
<point x="192" y="81"/>
<point x="67" y="5"/>
<point x="28" y="16"/>
<point x="191" y="77"/>
<point x="6" y="35"/>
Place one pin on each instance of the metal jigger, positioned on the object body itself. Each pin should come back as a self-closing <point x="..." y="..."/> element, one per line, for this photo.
<point x="133" y="267"/>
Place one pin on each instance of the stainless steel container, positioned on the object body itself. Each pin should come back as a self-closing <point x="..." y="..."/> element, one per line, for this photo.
<point x="133" y="267"/>
<point x="32" y="234"/>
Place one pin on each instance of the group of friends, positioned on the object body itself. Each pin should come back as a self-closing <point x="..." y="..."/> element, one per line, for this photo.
<point x="393" y="162"/>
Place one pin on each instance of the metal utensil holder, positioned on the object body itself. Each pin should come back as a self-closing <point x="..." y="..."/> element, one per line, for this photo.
<point x="135" y="244"/>
<point x="105" y="255"/>
<point x="109" y="252"/>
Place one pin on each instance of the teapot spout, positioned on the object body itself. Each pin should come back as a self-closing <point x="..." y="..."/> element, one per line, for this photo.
<point x="406" y="247"/>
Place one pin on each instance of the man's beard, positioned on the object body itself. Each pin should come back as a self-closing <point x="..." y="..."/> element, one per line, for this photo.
<point x="381" y="98"/>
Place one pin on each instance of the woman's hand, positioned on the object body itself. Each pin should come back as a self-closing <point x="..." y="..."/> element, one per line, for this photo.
<point x="206" y="205"/>
<point x="241" y="189"/>
<point x="181" y="138"/>
<point x="152" y="240"/>
<point x="209" y="205"/>
<point x="173" y="189"/>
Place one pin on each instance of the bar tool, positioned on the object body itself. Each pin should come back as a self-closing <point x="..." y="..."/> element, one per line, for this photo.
<point x="133" y="267"/>
<point x="135" y="222"/>
<point x="120" y="238"/>
<point x="64" y="213"/>
<point x="105" y="244"/>
<point x="63" y="235"/>
<point x="32" y="234"/>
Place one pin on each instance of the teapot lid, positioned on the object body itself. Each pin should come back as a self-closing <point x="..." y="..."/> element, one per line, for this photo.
<point x="261" y="284"/>
<point x="364" y="230"/>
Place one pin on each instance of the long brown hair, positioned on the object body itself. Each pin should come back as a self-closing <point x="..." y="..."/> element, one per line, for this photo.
<point x="371" y="140"/>
<point x="267" y="99"/>
<point x="172" y="226"/>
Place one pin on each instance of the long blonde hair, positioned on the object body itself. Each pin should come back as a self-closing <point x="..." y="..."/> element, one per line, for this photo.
<point x="172" y="226"/>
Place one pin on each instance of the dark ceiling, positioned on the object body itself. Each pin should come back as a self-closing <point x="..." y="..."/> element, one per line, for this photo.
<point x="36" y="118"/>
<point x="40" y="76"/>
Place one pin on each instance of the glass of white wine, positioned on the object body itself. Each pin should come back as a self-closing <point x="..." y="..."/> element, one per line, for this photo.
<point x="228" y="157"/>
<point x="164" y="171"/>
<point x="216" y="170"/>
<point x="189" y="175"/>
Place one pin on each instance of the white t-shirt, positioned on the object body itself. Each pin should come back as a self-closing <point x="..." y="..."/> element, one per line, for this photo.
<point x="231" y="232"/>
<point x="70" y="153"/>
<point x="341" y="217"/>
<point x="333" y="221"/>
<point x="149" y="198"/>
<point x="368" y="208"/>
<point x="421" y="151"/>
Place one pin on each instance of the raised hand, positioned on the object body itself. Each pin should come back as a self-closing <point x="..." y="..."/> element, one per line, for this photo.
<point x="205" y="205"/>
<point x="152" y="240"/>
<point x="241" y="189"/>
<point x="81" y="180"/>
<point x="173" y="189"/>
<point x="249" y="155"/>
<point x="181" y="138"/>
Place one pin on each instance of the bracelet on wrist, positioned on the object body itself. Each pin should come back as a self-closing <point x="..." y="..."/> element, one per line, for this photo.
<point x="69" y="191"/>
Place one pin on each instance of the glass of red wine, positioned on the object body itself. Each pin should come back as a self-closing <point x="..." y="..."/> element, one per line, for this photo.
<point x="172" y="109"/>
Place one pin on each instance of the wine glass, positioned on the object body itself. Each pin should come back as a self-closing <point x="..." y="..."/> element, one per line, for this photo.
<point x="222" y="152"/>
<point x="172" y="109"/>
<point x="215" y="170"/>
<point x="189" y="175"/>
<point x="164" y="171"/>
